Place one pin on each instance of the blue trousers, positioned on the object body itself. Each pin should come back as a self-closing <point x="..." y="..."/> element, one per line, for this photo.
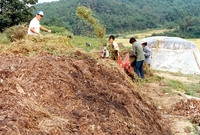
<point x="139" y="69"/>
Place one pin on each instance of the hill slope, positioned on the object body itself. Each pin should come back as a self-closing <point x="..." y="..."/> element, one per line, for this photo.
<point x="119" y="16"/>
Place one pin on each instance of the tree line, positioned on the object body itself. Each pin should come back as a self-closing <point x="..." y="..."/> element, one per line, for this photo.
<point x="14" y="12"/>
<point x="120" y="16"/>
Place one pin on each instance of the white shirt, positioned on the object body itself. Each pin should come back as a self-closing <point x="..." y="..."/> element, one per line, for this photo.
<point x="116" y="47"/>
<point x="34" y="24"/>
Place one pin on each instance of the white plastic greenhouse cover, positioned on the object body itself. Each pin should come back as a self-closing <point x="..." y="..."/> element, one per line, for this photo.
<point x="174" y="54"/>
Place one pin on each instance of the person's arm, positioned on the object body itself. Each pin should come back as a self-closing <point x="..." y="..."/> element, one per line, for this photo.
<point x="134" y="47"/>
<point x="44" y="29"/>
<point x="116" y="47"/>
<point x="133" y="52"/>
<point x="147" y="52"/>
<point x="33" y="30"/>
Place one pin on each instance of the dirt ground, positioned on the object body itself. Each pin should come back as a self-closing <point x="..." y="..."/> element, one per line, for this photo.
<point x="179" y="110"/>
<point x="79" y="95"/>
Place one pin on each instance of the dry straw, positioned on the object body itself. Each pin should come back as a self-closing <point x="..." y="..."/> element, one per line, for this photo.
<point x="31" y="45"/>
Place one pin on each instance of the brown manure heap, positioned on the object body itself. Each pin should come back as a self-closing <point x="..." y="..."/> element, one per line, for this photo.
<point x="74" y="94"/>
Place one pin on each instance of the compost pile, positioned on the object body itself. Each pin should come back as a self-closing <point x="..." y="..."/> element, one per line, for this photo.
<point x="76" y="94"/>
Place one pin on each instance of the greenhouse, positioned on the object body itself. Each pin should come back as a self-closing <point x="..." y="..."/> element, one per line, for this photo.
<point x="174" y="54"/>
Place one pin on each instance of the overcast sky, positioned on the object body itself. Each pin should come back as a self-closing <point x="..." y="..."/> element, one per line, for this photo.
<point x="41" y="1"/>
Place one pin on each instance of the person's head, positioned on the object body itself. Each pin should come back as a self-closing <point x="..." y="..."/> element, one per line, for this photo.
<point x="39" y="15"/>
<point x="132" y="40"/>
<point x="144" y="43"/>
<point x="111" y="38"/>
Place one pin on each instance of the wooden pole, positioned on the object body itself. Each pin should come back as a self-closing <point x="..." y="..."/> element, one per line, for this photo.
<point x="196" y="59"/>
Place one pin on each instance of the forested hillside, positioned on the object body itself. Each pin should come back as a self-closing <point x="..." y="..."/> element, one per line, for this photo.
<point x="119" y="16"/>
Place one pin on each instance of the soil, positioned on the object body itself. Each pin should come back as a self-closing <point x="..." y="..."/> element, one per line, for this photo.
<point x="178" y="110"/>
<point x="64" y="95"/>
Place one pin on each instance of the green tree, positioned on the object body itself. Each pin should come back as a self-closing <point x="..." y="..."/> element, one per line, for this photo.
<point x="86" y="14"/>
<point x="14" y="12"/>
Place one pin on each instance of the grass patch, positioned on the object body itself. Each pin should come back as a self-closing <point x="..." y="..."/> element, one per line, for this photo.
<point x="192" y="76"/>
<point x="190" y="85"/>
<point x="95" y="43"/>
<point x="32" y="45"/>
<point x="4" y="39"/>
<point x="176" y="85"/>
<point x="173" y="85"/>
<point x="143" y="33"/>
<point x="193" y="90"/>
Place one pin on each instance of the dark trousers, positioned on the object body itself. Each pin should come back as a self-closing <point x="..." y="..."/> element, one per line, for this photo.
<point x="114" y="55"/>
<point x="139" y="69"/>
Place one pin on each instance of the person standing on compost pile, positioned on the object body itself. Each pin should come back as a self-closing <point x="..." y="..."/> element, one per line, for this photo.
<point x="35" y="27"/>
<point x="113" y="48"/>
<point x="147" y="52"/>
<point x="137" y="51"/>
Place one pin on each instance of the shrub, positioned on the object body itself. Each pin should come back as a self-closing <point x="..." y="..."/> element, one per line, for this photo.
<point x="15" y="32"/>
<point x="3" y="39"/>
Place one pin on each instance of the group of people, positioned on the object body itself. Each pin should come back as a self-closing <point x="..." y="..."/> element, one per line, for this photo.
<point x="139" y="50"/>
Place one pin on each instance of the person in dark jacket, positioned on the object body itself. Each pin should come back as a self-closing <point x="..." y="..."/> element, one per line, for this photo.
<point x="137" y="51"/>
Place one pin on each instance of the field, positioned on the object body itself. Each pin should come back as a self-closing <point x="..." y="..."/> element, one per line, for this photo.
<point x="142" y="34"/>
<point x="196" y="41"/>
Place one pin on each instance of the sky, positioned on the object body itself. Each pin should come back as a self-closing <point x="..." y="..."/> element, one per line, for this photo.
<point x="41" y="1"/>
